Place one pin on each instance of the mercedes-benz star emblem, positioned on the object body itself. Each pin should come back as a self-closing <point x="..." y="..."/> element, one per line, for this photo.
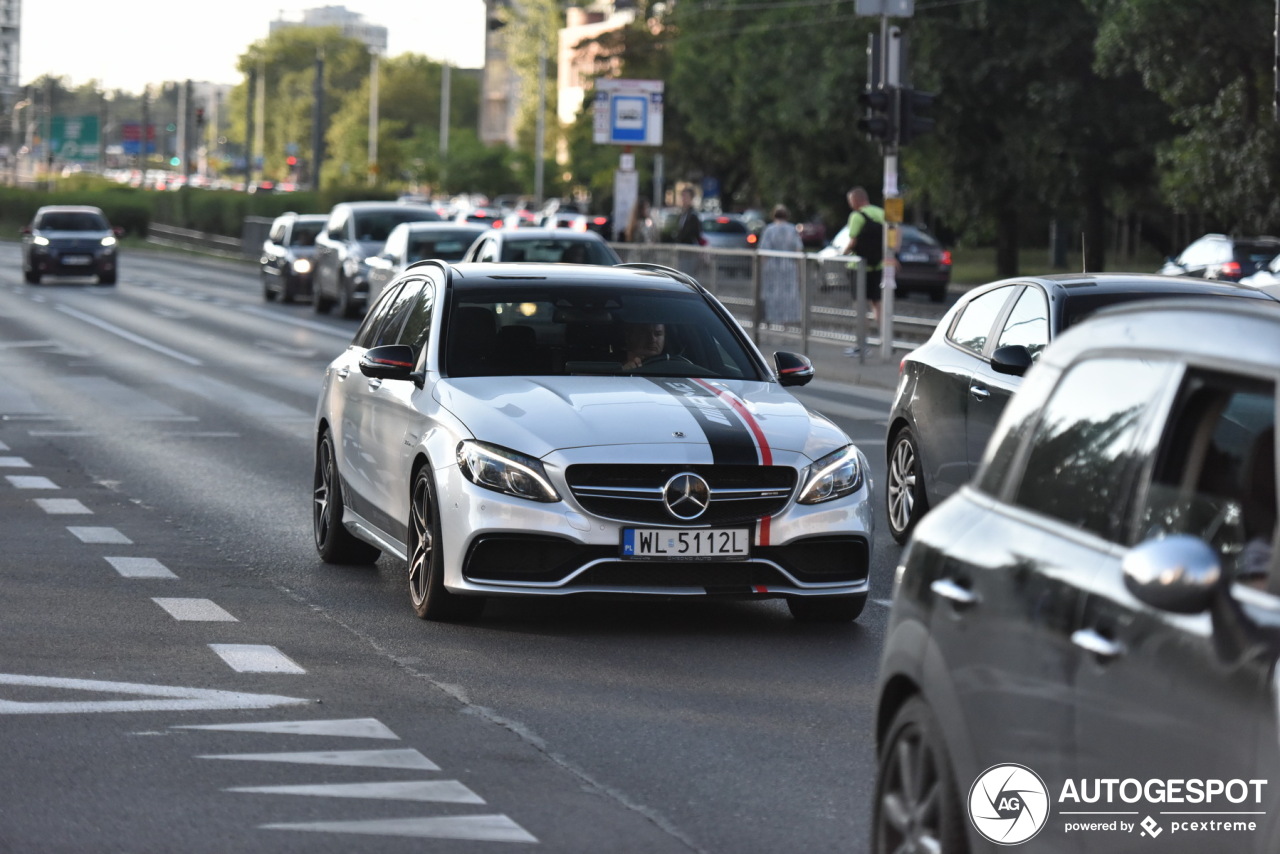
<point x="686" y="496"/>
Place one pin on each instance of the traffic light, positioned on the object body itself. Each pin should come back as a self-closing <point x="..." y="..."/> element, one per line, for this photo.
<point x="879" y="116"/>
<point x="291" y="160"/>
<point x="916" y="114"/>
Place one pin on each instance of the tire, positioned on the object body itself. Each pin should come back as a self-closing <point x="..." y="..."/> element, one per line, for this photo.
<point x="826" y="609"/>
<point x="334" y="542"/>
<point x="905" y="495"/>
<point x="916" y="806"/>
<point x="32" y="277"/>
<point x="347" y="305"/>
<point x="319" y="302"/>
<point x="107" y="279"/>
<point x="431" y="600"/>
<point x="268" y="295"/>
<point x="938" y="294"/>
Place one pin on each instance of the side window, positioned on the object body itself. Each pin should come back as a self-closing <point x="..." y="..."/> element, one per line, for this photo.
<point x="1215" y="473"/>
<point x="1081" y="456"/>
<point x="368" y="331"/>
<point x="973" y="325"/>
<point x="418" y="326"/>
<point x="397" y="313"/>
<point x="1015" y="426"/>
<point x="1028" y="323"/>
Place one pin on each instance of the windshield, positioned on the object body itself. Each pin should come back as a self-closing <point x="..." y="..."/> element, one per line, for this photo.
<point x="375" y="226"/>
<point x="446" y="247"/>
<point x="557" y="249"/>
<point x="304" y="233"/>
<point x="73" y="221"/>
<point x="549" y="330"/>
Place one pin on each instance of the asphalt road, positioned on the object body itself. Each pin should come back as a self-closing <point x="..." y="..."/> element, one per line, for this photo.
<point x="179" y="671"/>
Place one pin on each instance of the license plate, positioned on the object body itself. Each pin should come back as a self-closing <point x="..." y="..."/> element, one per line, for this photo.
<point x="77" y="260"/>
<point x="913" y="257"/>
<point x="701" y="544"/>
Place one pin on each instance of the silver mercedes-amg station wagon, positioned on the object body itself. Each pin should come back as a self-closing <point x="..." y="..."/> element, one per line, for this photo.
<point x="558" y="429"/>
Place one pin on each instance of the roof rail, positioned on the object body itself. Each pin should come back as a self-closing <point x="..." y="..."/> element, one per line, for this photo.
<point x="678" y="275"/>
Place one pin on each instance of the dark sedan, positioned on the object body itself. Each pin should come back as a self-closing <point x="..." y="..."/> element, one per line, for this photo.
<point x="1082" y="646"/>
<point x="953" y="388"/>
<point x="69" y="240"/>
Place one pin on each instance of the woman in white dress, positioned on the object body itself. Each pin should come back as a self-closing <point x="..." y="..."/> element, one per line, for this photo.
<point x="780" y="277"/>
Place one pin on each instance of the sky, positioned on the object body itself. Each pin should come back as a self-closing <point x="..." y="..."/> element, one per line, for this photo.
<point x="126" y="44"/>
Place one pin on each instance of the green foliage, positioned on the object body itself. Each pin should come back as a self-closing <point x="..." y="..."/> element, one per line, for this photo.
<point x="124" y="207"/>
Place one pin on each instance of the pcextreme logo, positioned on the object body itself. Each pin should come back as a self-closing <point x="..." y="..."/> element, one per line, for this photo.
<point x="1009" y="804"/>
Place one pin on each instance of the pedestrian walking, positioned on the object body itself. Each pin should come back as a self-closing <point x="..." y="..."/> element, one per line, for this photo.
<point x="641" y="228"/>
<point x="866" y="239"/>
<point x="689" y="232"/>
<point x="780" y="277"/>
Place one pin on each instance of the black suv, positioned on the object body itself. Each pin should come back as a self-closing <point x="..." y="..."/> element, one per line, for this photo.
<point x="69" y="240"/>
<point x="288" y="256"/>
<point x="1219" y="256"/>
<point x="354" y="232"/>
<point x="1082" y="644"/>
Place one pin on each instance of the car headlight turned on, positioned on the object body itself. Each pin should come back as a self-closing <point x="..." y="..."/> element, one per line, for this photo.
<point x="301" y="266"/>
<point x="834" y="476"/>
<point x="505" y="471"/>
<point x="108" y="241"/>
<point x="40" y="241"/>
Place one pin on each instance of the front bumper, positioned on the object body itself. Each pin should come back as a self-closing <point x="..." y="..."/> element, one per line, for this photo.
<point x="56" y="260"/>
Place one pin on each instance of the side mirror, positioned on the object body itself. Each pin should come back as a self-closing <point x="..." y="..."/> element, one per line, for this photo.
<point x="1011" y="359"/>
<point x="388" y="362"/>
<point x="793" y="369"/>
<point x="117" y="230"/>
<point x="1179" y="573"/>
<point x="26" y="229"/>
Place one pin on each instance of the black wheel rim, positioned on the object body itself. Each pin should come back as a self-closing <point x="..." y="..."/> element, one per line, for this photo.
<point x="910" y="814"/>
<point x="322" y="505"/>
<point x="422" y="546"/>
<point x="902" y="485"/>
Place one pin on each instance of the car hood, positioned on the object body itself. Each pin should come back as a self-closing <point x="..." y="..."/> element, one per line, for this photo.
<point x="73" y="236"/>
<point x="721" y="420"/>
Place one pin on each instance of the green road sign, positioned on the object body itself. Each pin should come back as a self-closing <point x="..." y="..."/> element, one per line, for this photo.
<point x="75" y="138"/>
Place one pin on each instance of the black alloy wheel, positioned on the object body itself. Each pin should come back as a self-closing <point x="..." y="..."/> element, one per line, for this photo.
<point x="916" y="809"/>
<point x="905" y="494"/>
<point x="431" y="600"/>
<point x="334" y="542"/>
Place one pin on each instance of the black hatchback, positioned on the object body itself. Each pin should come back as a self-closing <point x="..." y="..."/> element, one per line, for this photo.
<point x="1083" y="640"/>
<point x="953" y="388"/>
<point x="69" y="240"/>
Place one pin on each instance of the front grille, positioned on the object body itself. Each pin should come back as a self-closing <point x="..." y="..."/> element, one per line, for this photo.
<point x="633" y="493"/>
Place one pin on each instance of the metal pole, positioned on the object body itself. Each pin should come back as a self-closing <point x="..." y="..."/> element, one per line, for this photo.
<point x="260" y="131"/>
<point x="445" y="92"/>
<point x="540" y="153"/>
<point x="317" y="121"/>
<point x="893" y="78"/>
<point x="251" y="87"/>
<point x="373" y="119"/>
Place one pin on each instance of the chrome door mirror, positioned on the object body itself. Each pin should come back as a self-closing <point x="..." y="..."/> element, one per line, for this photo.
<point x="1179" y="573"/>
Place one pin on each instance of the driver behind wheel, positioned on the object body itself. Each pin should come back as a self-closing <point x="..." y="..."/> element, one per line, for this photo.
<point x="644" y="342"/>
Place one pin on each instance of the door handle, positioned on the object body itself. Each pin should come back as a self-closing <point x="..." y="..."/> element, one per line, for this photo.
<point x="343" y="372"/>
<point x="948" y="589"/>
<point x="375" y="383"/>
<point x="1091" y="641"/>
<point x="979" y="392"/>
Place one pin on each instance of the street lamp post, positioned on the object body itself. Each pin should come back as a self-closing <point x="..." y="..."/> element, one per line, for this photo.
<point x="373" y="117"/>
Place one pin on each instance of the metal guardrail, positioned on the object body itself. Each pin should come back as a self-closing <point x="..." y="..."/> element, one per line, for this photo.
<point x="832" y="308"/>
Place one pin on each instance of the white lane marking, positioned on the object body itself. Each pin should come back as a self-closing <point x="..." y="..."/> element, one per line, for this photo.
<point x="44" y="433"/>
<point x="3" y="446"/>
<point x="140" y="567"/>
<point x="62" y="506"/>
<point x="208" y="434"/>
<point x="195" y="610"/>
<point x="481" y="828"/>
<point x="163" y="698"/>
<point x="434" y="791"/>
<point x="14" y="463"/>
<point x="29" y="482"/>
<point x="129" y="336"/>
<point x="351" y="728"/>
<point x="888" y="603"/>
<point x="247" y="402"/>
<point x="119" y="397"/>
<point x="408" y="759"/>
<point x="99" y="535"/>
<point x="255" y="658"/>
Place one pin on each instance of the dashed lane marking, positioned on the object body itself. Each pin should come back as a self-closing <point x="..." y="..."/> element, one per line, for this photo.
<point x="408" y="759"/>
<point x="433" y="791"/>
<point x="351" y="728"/>
<point x="160" y="698"/>
<point x="14" y="463"/>
<point x="255" y="658"/>
<point x="195" y="610"/>
<point x="63" y="507"/>
<point x="99" y="535"/>
<point x="480" y="828"/>
<point x="3" y="446"/>
<point x="140" y="567"/>
<point x="20" y="481"/>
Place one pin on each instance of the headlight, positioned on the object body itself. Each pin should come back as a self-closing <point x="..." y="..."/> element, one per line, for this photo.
<point x="505" y="471"/>
<point x="40" y="241"/>
<point x="301" y="265"/>
<point x="834" y="476"/>
<point x="108" y="241"/>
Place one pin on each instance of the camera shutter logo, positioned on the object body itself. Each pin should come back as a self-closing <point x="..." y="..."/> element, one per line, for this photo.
<point x="1009" y="804"/>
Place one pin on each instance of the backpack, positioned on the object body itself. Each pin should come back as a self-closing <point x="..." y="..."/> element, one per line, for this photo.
<point x="870" y="244"/>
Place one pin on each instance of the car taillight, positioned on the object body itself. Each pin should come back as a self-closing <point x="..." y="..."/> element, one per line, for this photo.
<point x="600" y="220"/>
<point x="751" y="238"/>
<point x="497" y="223"/>
<point x="946" y="257"/>
<point x="1230" y="270"/>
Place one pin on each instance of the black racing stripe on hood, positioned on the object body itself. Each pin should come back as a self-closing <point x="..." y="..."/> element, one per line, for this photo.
<point x="730" y="440"/>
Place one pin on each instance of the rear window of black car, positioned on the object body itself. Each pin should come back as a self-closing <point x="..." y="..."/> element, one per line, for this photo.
<point x="1078" y="307"/>
<point x="1254" y="256"/>
<point x="73" y="221"/>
